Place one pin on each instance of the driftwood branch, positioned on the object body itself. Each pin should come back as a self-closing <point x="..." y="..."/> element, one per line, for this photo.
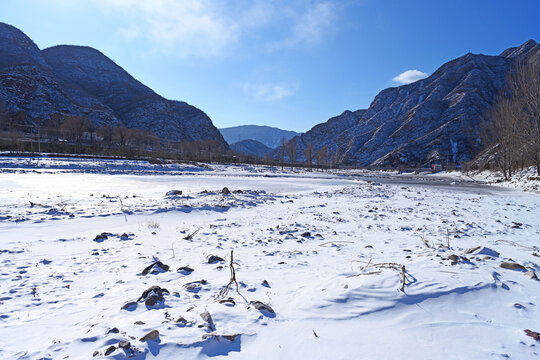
<point x="389" y="265"/>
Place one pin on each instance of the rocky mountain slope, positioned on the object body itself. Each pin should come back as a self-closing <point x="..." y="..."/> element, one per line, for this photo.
<point x="251" y="147"/>
<point x="77" y="80"/>
<point x="267" y="135"/>
<point x="434" y="119"/>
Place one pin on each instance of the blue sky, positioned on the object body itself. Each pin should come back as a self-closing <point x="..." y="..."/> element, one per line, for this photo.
<point x="290" y="64"/>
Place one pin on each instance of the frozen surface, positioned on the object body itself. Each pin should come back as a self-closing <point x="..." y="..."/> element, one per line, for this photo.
<point x="309" y="245"/>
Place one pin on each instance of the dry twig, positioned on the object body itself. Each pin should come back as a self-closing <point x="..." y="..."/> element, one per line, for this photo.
<point x="232" y="279"/>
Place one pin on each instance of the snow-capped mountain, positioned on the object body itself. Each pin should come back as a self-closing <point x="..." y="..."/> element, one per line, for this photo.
<point x="436" y="118"/>
<point x="78" y="80"/>
<point x="269" y="136"/>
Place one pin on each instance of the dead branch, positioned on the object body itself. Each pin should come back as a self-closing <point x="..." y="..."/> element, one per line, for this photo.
<point x="190" y="236"/>
<point x="335" y="242"/>
<point x="232" y="279"/>
<point x="389" y="265"/>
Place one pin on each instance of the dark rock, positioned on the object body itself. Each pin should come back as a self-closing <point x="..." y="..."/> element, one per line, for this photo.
<point x="174" y="193"/>
<point x="139" y="322"/>
<point x="512" y="266"/>
<point x="186" y="270"/>
<point x="153" y="295"/>
<point x="230" y="301"/>
<point x="454" y="259"/>
<point x="151" y="336"/>
<point x="262" y="306"/>
<point x="155" y="268"/>
<point x="213" y="259"/>
<point x="533" y="334"/>
<point x="225" y="191"/>
<point x="306" y="234"/>
<point x="265" y="283"/>
<point x="113" y="331"/>
<point x="110" y="350"/>
<point x="126" y="345"/>
<point x="101" y="237"/>
<point x="129" y="306"/>
<point x="531" y="274"/>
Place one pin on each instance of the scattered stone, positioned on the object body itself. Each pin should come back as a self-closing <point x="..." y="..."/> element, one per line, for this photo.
<point x="306" y="234"/>
<point x="213" y="259"/>
<point x="110" y="350"/>
<point x="186" y="270"/>
<point x="454" y="259"/>
<point x="101" y="237"/>
<point x="181" y="320"/>
<point x="533" y="334"/>
<point x="96" y="353"/>
<point x="152" y="335"/>
<point x="155" y="268"/>
<point x="113" y="331"/>
<point x="208" y="318"/>
<point x="368" y="247"/>
<point x="225" y="191"/>
<point x="531" y="274"/>
<point x="153" y="295"/>
<point x="262" y="306"/>
<point x="519" y="306"/>
<point x="124" y="237"/>
<point x="130" y="306"/>
<point x="195" y="286"/>
<point x="220" y="337"/>
<point x="512" y="266"/>
<point x="139" y="322"/>
<point x="471" y="250"/>
<point x="230" y="300"/>
<point x="516" y="225"/>
<point x="265" y="283"/>
<point x="126" y="345"/>
<point x="174" y="193"/>
<point x="482" y="250"/>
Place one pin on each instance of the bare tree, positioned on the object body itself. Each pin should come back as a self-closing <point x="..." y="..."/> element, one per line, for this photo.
<point x="525" y="89"/>
<point x="282" y="150"/>
<point x="512" y="130"/>
<point x="291" y="151"/>
<point x="322" y="156"/>
<point x="74" y="127"/>
<point x="308" y="152"/>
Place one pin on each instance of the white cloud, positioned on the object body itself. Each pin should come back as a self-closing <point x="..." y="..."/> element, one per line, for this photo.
<point x="308" y="26"/>
<point x="269" y="91"/>
<point x="209" y="28"/>
<point x="410" y="76"/>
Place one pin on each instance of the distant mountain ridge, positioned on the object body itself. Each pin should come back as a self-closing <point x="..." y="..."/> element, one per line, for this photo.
<point x="269" y="136"/>
<point x="433" y="119"/>
<point x="81" y="81"/>
<point x="251" y="147"/>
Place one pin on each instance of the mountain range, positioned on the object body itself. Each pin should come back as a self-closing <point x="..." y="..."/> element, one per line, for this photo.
<point x="81" y="81"/>
<point x="436" y="119"/>
<point x="269" y="136"/>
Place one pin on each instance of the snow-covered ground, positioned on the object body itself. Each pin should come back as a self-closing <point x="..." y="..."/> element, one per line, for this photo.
<point x="319" y="261"/>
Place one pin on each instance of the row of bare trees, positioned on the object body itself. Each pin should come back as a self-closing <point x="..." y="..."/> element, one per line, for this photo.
<point x="320" y="156"/>
<point x="511" y="132"/>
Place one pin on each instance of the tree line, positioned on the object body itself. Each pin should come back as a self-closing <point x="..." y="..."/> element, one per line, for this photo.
<point x="511" y="128"/>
